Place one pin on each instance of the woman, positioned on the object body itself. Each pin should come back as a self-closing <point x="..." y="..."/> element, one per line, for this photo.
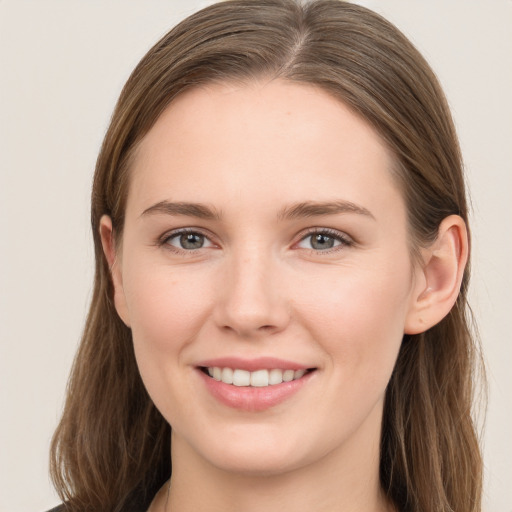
<point x="279" y="308"/>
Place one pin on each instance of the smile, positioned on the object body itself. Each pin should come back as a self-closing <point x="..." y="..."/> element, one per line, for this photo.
<point x="259" y="378"/>
<point x="254" y="385"/>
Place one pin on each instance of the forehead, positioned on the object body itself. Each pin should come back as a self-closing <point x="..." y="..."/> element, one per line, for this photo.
<point x="232" y="139"/>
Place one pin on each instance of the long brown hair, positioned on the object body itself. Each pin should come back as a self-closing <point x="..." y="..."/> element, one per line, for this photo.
<point x="111" y="447"/>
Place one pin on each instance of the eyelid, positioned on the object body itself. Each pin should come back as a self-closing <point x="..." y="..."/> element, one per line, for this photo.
<point x="344" y="239"/>
<point x="162" y="240"/>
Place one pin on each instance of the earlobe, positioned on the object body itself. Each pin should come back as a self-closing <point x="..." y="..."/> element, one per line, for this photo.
<point x="110" y="250"/>
<point x="441" y="276"/>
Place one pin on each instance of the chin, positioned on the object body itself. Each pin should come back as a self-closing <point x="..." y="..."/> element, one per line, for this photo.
<point x="279" y="456"/>
<point x="262" y="464"/>
<point x="252" y="454"/>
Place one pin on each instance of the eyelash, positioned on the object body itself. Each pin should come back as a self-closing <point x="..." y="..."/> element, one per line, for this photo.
<point x="164" y="240"/>
<point x="344" y="240"/>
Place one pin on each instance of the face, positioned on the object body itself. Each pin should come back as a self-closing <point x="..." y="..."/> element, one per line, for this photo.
<point x="265" y="245"/>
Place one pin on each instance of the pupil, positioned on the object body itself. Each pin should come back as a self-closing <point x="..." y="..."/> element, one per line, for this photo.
<point x="322" y="242"/>
<point x="191" y="241"/>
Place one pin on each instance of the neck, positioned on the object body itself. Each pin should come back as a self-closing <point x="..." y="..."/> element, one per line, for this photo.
<point x="346" y="482"/>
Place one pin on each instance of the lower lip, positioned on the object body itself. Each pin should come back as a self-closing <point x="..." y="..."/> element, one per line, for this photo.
<point x="253" y="399"/>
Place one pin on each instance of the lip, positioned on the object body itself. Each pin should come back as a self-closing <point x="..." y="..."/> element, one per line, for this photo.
<point x="251" y="365"/>
<point x="247" y="398"/>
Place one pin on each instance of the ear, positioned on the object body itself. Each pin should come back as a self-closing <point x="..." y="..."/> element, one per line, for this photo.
<point x="440" y="278"/>
<point x="110" y="251"/>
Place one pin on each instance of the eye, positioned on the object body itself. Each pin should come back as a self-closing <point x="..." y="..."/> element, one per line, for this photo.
<point x="323" y="240"/>
<point x="188" y="240"/>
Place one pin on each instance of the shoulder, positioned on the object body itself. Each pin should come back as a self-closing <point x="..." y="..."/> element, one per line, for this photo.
<point x="59" y="508"/>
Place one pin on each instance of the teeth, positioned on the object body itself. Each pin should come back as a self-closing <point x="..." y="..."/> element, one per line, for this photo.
<point x="298" y="374"/>
<point x="259" y="378"/>
<point x="288" y="375"/>
<point x="275" y="376"/>
<point x="227" y="375"/>
<point x="241" y="378"/>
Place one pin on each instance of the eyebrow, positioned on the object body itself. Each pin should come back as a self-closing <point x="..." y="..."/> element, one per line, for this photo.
<point x="314" y="209"/>
<point x="198" y="210"/>
<point x="294" y="211"/>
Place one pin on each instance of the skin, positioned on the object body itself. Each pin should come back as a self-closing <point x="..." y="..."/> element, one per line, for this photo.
<point x="258" y="287"/>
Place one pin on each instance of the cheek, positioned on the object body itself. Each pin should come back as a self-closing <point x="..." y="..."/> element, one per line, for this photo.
<point x="358" y="318"/>
<point x="167" y="311"/>
<point x="164" y="307"/>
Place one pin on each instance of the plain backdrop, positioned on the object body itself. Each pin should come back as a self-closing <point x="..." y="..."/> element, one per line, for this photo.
<point x="62" y="66"/>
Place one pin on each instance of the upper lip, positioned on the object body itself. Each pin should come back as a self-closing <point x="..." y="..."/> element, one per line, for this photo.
<point x="251" y="365"/>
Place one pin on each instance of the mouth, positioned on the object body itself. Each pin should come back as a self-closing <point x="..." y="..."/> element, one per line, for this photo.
<point x="256" y="385"/>
<point x="261" y="378"/>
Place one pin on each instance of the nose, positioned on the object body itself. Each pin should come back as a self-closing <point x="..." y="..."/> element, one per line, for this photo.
<point x="251" y="299"/>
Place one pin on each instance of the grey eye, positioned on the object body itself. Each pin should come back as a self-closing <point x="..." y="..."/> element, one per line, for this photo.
<point x="321" y="241"/>
<point x="189" y="241"/>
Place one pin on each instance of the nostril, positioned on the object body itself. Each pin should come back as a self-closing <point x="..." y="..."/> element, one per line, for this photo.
<point x="264" y="328"/>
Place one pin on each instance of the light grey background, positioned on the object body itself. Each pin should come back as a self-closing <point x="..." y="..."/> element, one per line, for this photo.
<point x="62" y="66"/>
